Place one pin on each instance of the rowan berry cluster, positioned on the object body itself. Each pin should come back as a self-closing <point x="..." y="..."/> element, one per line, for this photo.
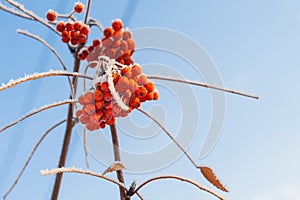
<point x="72" y="32"/>
<point x="100" y="108"/>
<point x="116" y="44"/>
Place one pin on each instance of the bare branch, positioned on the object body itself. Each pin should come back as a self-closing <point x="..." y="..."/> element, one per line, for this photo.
<point x="35" y="76"/>
<point x="35" y="111"/>
<point x="169" y="135"/>
<point x="80" y="171"/>
<point x="30" y="156"/>
<point x="31" y="14"/>
<point x="201" y="85"/>
<point x="88" y="5"/>
<point x="180" y="179"/>
<point x="12" y="11"/>
<point x="52" y="50"/>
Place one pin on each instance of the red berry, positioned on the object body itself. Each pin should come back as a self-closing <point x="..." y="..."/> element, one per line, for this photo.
<point x="124" y="46"/>
<point x="142" y="79"/>
<point x="85" y="29"/>
<point x="74" y="35"/>
<point x="78" y="7"/>
<point x="141" y="92"/>
<point x="104" y="87"/>
<point x="111" y="52"/>
<point x="69" y="26"/>
<point x="126" y="35"/>
<point x="106" y="42"/>
<point x="51" y="15"/>
<point x="77" y="26"/>
<point x="117" y="25"/>
<point x="136" y="70"/>
<point x="83" y="54"/>
<point x="74" y="41"/>
<point x="131" y="44"/>
<point x="149" y="86"/>
<point x="60" y="26"/>
<point x="96" y="43"/>
<point x="155" y="95"/>
<point x="82" y="38"/>
<point x="90" y="48"/>
<point x="65" y="39"/>
<point x="78" y="113"/>
<point x="108" y="32"/>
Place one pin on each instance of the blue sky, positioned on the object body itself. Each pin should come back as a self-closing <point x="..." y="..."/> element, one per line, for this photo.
<point x="254" y="45"/>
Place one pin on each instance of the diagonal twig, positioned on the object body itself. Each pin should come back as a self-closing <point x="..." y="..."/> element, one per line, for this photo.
<point x="35" y="111"/>
<point x="23" y="32"/>
<point x="12" y="11"/>
<point x="30" y="156"/>
<point x="166" y="78"/>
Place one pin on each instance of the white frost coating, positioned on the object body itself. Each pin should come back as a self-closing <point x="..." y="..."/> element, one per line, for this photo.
<point x="112" y="89"/>
<point x="48" y="172"/>
<point x="34" y="76"/>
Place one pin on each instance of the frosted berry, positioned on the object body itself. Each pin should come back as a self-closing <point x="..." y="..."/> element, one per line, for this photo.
<point x="60" y="26"/>
<point x="51" y="15"/>
<point x="117" y="25"/>
<point x="77" y="26"/>
<point x="78" y="7"/>
<point x="85" y="29"/>
<point x="82" y="38"/>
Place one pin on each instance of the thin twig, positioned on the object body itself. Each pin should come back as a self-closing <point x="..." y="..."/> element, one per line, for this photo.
<point x="31" y="14"/>
<point x="86" y="159"/>
<point x="35" y="111"/>
<point x="79" y="171"/>
<point x="201" y="85"/>
<point x="35" y="76"/>
<point x="52" y="50"/>
<point x="180" y="179"/>
<point x="12" y="11"/>
<point x="30" y="156"/>
<point x="117" y="157"/>
<point x="88" y="5"/>
<point x="169" y="135"/>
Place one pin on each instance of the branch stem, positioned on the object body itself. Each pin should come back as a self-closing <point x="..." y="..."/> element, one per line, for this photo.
<point x="117" y="157"/>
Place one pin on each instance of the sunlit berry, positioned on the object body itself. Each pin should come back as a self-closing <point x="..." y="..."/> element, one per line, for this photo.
<point x="142" y="79"/>
<point x="99" y="105"/>
<point x="78" y="113"/>
<point x="88" y="97"/>
<point x="89" y="108"/>
<point x="78" y="7"/>
<point x="117" y="25"/>
<point x="131" y="44"/>
<point x="116" y="44"/>
<point x="136" y="70"/>
<point x="51" y="15"/>
<point x="124" y="45"/>
<point x="126" y="35"/>
<point x="108" y="32"/>
<point x="106" y="42"/>
<point x="107" y="96"/>
<point x="60" y="26"/>
<point x="149" y="86"/>
<point x="85" y="29"/>
<point x="150" y="96"/>
<point x="111" y="52"/>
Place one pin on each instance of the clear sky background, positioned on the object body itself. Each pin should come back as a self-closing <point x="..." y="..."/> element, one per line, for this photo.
<point x="255" y="46"/>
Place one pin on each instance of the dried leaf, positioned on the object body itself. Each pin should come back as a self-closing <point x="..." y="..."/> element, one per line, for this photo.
<point x="114" y="167"/>
<point x="211" y="177"/>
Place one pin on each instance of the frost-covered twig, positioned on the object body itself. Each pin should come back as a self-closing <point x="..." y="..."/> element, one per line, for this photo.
<point x="80" y="171"/>
<point x="180" y="179"/>
<point x="166" y="78"/>
<point x="12" y="11"/>
<point x="35" y="111"/>
<point x="31" y="14"/>
<point x="86" y="159"/>
<point x="35" y="76"/>
<point x="30" y="156"/>
<point x="52" y="50"/>
<point x="169" y="135"/>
